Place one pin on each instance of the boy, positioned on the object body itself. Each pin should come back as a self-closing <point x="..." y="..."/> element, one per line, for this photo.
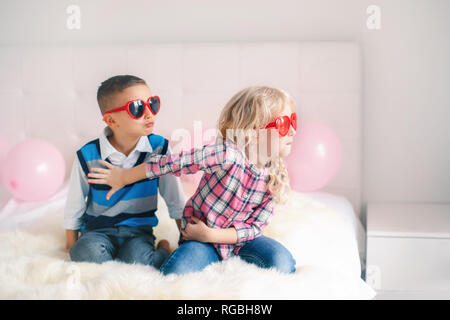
<point x="121" y="227"/>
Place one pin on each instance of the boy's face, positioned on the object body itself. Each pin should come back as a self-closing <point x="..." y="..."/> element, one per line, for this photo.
<point x="122" y="121"/>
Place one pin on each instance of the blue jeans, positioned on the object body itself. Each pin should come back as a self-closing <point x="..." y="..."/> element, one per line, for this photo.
<point x="124" y="243"/>
<point x="193" y="256"/>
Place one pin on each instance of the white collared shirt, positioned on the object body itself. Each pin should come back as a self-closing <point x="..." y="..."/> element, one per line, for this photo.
<point x="169" y="186"/>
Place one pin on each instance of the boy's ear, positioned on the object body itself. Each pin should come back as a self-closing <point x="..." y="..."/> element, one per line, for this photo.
<point x="109" y="120"/>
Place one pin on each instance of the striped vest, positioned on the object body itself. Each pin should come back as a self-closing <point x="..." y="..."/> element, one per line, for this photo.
<point x="133" y="205"/>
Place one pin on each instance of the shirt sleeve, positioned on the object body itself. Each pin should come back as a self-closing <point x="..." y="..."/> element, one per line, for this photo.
<point x="171" y="190"/>
<point x="76" y="198"/>
<point x="209" y="158"/>
<point x="255" y="224"/>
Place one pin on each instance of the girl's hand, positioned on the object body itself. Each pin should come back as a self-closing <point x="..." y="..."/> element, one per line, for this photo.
<point x="198" y="231"/>
<point x="113" y="176"/>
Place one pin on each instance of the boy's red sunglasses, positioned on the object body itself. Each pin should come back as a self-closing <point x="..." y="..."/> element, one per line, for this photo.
<point x="282" y="124"/>
<point x="136" y="108"/>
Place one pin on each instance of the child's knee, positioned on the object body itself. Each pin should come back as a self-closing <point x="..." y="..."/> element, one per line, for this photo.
<point x="136" y="251"/>
<point x="89" y="251"/>
<point x="283" y="261"/>
<point x="191" y="256"/>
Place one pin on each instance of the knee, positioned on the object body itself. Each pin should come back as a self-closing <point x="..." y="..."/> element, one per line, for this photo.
<point x="136" y="251"/>
<point x="191" y="256"/>
<point x="89" y="251"/>
<point x="282" y="261"/>
<point x="172" y="266"/>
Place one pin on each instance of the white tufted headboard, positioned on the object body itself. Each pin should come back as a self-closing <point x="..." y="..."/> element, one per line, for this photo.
<point x="49" y="92"/>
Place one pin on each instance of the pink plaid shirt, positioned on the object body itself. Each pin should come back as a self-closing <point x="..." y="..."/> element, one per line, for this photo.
<point x="232" y="192"/>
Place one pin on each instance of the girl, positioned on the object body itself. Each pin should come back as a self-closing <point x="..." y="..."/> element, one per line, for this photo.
<point x="234" y="201"/>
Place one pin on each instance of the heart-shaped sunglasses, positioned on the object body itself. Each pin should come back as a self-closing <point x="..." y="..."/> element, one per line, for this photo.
<point x="136" y="108"/>
<point x="283" y="123"/>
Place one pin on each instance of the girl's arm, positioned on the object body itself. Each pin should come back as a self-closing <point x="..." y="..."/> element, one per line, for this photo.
<point x="209" y="158"/>
<point x="254" y="226"/>
<point x="116" y="177"/>
<point x="199" y="231"/>
<point x="238" y="234"/>
<point x="225" y="236"/>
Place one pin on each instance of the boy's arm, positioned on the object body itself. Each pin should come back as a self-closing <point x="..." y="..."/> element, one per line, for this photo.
<point x="75" y="203"/>
<point x="71" y="238"/>
<point x="171" y="190"/>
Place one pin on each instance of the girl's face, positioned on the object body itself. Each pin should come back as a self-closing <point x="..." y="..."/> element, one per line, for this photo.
<point x="274" y="146"/>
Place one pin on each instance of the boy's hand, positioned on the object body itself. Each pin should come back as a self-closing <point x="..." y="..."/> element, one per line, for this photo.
<point x="198" y="231"/>
<point x="178" y="222"/>
<point x="69" y="245"/>
<point x="71" y="238"/>
<point x="112" y="176"/>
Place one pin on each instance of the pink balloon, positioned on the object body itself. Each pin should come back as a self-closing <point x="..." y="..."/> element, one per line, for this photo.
<point x="315" y="158"/>
<point x="33" y="170"/>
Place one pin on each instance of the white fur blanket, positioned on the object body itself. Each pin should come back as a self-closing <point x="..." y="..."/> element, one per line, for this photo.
<point x="34" y="265"/>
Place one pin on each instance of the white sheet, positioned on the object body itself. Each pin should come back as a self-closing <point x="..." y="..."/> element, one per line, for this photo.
<point x="342" y="206"/>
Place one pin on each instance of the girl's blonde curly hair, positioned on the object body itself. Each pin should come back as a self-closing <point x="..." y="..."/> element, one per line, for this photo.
<point x="250" y="110"/>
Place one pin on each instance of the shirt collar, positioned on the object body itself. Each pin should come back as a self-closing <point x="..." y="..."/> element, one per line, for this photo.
<point x="106" y="148"/>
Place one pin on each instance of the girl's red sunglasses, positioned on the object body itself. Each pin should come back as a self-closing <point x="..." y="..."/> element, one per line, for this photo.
<point x="282" y="124"/>
<point x="136" y="108"/>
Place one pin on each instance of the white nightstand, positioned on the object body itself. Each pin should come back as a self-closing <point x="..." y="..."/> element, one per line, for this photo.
<point x="408" y="250"/>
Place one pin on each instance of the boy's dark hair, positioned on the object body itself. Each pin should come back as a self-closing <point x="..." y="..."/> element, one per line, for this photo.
<point x="113" y="85"/>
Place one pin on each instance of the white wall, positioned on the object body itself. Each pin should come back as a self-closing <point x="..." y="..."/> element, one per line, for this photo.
<point x="407" y="104"/>
<point x="406" y="136"/>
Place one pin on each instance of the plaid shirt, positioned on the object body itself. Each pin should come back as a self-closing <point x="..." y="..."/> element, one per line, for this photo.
<point x="232" y="192"/>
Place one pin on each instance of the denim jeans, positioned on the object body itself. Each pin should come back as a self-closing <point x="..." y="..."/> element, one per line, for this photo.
<point x="193" y="256"/>
<point x="124" y="243"/>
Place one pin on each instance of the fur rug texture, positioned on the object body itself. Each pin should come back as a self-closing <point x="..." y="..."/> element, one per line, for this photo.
<point x="34" y="264"/>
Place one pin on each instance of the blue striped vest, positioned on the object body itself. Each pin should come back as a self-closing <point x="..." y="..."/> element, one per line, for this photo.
<point x="133" y="205"/>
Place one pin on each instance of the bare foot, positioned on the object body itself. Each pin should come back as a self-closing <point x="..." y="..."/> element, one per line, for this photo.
<point x="164" y="244"/>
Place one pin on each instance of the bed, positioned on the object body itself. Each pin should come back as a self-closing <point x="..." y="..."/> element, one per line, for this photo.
<point x="54" y="90"/>
<point x="317" y="228"/>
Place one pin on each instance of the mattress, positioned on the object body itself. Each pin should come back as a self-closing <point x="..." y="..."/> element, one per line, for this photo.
<point x="344" y="208"/>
